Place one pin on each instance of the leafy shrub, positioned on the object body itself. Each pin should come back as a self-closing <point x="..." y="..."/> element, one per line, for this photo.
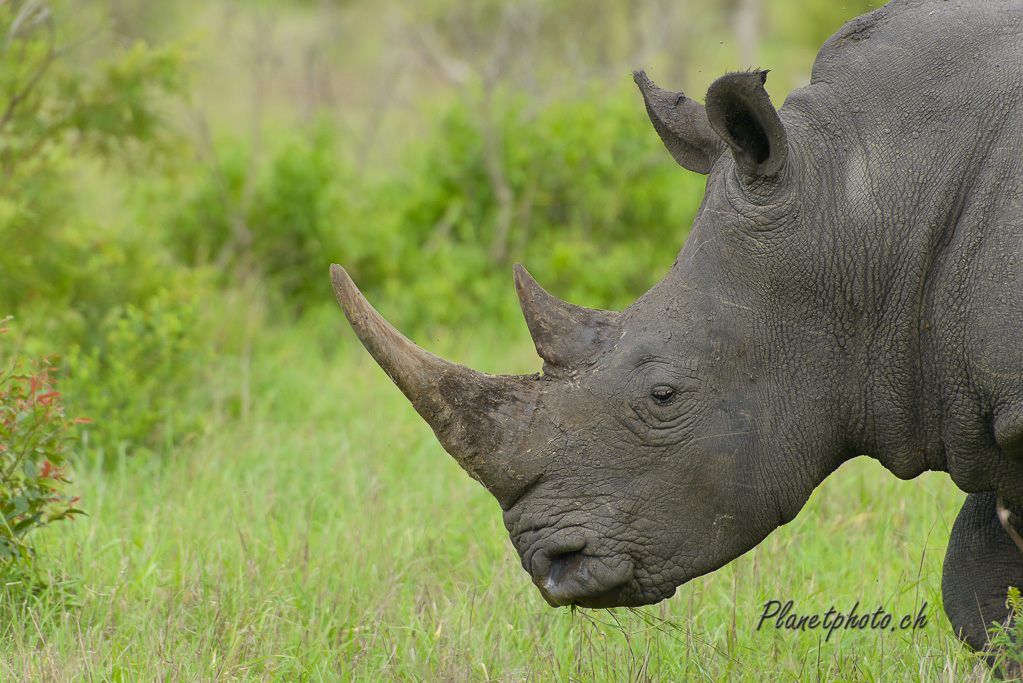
<point x="34" y="431"/>
<point x="1006" y="640"/>
<point x="142" y="377"/>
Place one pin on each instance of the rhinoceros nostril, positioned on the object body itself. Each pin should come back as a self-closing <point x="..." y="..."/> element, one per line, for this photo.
<point x="540" y="559"/>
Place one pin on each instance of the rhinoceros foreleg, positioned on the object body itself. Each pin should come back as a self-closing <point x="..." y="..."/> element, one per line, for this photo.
<point x="981" y="563"/>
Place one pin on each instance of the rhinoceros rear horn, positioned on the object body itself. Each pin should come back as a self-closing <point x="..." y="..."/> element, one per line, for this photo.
<point x="478" y="418"/>
<point x="740" y="111"/>
<point x="682" y="124"/>
<point x="567" y="337"/>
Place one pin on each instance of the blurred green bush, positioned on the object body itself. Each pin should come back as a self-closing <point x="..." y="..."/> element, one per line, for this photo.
<point x="277" y="225"/>
<point x="56" y="120"/>
<point x="95" y="285"/>
<point x="583" y="194"/>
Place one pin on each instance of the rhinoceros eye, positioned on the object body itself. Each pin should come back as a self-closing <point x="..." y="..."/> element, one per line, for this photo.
<point x="663" y="394"/>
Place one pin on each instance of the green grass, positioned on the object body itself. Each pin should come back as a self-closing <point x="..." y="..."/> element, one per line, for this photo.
<point x="328" y="537"/>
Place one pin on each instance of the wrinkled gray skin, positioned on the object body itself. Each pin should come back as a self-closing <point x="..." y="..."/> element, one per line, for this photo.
<point x="852" y="285"/>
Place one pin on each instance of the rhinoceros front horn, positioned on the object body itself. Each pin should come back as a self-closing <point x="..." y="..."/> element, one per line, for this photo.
<point x="478" y="418"/>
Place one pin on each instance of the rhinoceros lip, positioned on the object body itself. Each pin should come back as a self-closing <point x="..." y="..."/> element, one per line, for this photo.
<point x="587" y="581"/>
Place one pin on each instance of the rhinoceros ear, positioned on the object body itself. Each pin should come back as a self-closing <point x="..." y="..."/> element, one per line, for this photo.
<point x="740" y="111"/>
<point x="567" y="337"/>
<point x="682" y="124"/>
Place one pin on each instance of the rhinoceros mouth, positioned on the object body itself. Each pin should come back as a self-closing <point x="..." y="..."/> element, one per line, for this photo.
<point x="567" y="574"/>
<point x="577" y="579"/>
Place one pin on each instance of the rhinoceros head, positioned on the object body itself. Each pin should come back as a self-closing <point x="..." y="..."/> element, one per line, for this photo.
<point x="661" y="442"/>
